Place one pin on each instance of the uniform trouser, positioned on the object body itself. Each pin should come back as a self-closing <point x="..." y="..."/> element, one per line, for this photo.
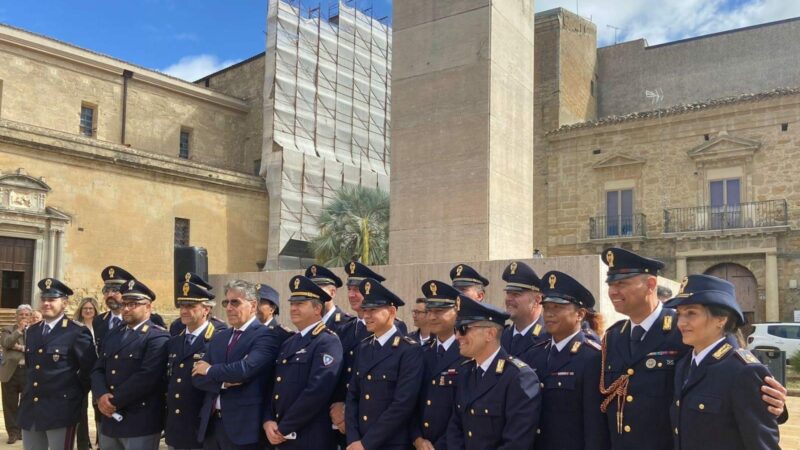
<point x="12" y="390"/>
<point x="217" y="439"/>
<point x="149" y="442"/>
<point x="57" y="439"/>
<point x="82" y="430"/>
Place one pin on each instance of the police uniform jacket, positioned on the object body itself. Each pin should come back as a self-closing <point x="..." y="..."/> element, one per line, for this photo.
<point x="417" y="336"/>
<point x="437" y="395"/>
<point x="338" y="319"/>
<point x="718" y="406"/>
<point x="184" y="400"/>
<point x="101" y="327"/>
<point x="650" y="374"/>
<point x="571" y="418"/>
<point x="251" y="363"/>
<point x="525" y="342"/>
<point x="499" y="410"/>
<point x="383" y="392"/>
<point x="177" y="327"/>
<point x="132" y="367"/>
<point x="58" y="376"/>
<point x="306" y="371"/>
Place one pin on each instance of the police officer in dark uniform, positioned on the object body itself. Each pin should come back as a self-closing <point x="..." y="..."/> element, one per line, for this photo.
<point x="524" y="306"/>
<point x="469" y="282"/>
<point x="59" y="354"/>
<point x="184" y="400"/>
<point x="388" y="373"/>
<point x="113" y="278"/>
<point x="497" y="396"/>
<point x="129" y="378"/>
<point x="333" y="316"/>
<point x="268" y="305"/>
<point x="717" y="403"/>
<point x="306" y="372"/>
<point x="441" y="360"/>
<point x="177" y="326"/>
<point x="568" y="367"/>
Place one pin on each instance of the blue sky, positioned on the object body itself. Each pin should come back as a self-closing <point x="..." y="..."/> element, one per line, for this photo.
<point x="192" y="38"/>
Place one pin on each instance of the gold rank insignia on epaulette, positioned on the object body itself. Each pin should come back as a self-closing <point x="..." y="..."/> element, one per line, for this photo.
<point x="501" y="365"/>
<point x="575" y="347"/>
<point x="467" y="362"/>
<point x="624" y="326"/>
<point x="667" y="326"/>
<point x="371" y="336"/>
<point x="286" y="329"/>
<point x="396" y="341"/>
<point x="64" y="322"/>
<point x="593" y="344"/>
<point x="209" y="331"/>
<point x="337" y="317"/>
<point x="537" y="329"/>
<point x="722" y="351"/>
<point x="746" y="356"/>
<point x="410" y="340"/>
<point x="517" y="362"/>
<point x="183" y="331"/>
<point x="105" y="316"/>
<point x="318" y="329"/>
<point x="145" y="327"/>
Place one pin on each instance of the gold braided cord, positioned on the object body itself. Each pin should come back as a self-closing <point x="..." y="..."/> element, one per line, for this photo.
<point x="618" y="389"/>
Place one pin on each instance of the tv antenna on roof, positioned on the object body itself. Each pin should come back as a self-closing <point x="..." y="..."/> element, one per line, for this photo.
<point x="615" y="32"/>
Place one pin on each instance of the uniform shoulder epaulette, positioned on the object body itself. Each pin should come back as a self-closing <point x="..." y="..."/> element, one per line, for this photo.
<point x="517" y="362"/>
<point x="467" y="361"/>
<point x="78" y="323"/>
<point x="159" y="327"/>
<point x="209" y="332"/>
<point x="410" y="340"/>
<point x="722" y="351"/>
<point x="618" y="324"/>
<point x="746" y="356"/>
<point x="592" y="344"/>
<point x="105" y="315"/>
<point x="431" y="343"/>
<point x="290" y="331"/>
<point x="318" y="329"/>
<point x="368" y="338"/>
<point x="541" y="343"/>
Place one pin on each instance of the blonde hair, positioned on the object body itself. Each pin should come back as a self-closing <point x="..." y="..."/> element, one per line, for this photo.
<point x="78" y="317"/>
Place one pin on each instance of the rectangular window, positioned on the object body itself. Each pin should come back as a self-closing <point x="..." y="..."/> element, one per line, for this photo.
<point x="88" y="124"/>
<point x="257" y="167"/>
<point x="619" y="212"/>
<point x="183" y="152"/>
<point x="181" y="232"/>
<point x="725" y="203"/>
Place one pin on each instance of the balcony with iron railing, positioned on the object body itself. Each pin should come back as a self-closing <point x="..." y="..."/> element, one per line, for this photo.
<point x="616" y="227"/>
<point x="769" y="214"/>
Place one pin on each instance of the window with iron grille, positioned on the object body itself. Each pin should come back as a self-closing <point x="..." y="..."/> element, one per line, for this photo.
<point x="181" y="232"/>
<point x="87" y="120"/>
<point x="256" y="167"/>
<point x="184" y="145"/>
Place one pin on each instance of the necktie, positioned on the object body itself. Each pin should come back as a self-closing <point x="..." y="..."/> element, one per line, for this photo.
<point x="236" y="335"/>
<point x="692" y="368"/>
<point x="553" y="353"/>
<point x="479" y="372"/>
<point x="115" y="322"/>
<point x="126" y="333"/>
<point x="515" y="341"/>
<point x="46" y="330"/>
<point x="440" y="351"/>
<point x="636" y="337"/>
<point x="190" y="340"/>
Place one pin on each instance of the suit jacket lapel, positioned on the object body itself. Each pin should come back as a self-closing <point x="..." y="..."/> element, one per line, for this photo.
<point x="709" y="360"/>
<point x="243" y="344"/>
<point x="565" y="355"/>
<point x="621" y="342"/>
<point x="487" y="381"/>
<point x="654" y="337"/>
<point x="450" y="356"/>
<point x="381" y="353"/>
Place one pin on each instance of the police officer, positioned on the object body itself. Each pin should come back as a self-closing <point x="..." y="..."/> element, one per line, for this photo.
<point x="568" y="367"/>
<point x="469" y="282"/>
<point x="113" y="278"/>
<point x="333" y="316"/>
<point x="305" y="376"/>
<point x="717" y="385"/>
<point x="184" y="400"/>
<point x="268" y="305"/>
<point x="59" y="354"/>
<point x="441" y="360"/>
<point x="177" y="326"/>
<point x="128" y="380"/>
<point x="524" y="306"/>
<point x="497" y="396"/>
<point x="388" y="373"/>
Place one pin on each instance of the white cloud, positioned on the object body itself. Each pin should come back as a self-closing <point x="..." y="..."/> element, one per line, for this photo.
<point x="194" y="67"/>
<point x="660" y="22"/>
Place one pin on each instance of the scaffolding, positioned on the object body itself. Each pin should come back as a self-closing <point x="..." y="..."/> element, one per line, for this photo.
<point x="327" y="115"/>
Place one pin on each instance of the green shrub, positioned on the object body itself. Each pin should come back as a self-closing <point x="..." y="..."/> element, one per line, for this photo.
<point x="794" y="361"/>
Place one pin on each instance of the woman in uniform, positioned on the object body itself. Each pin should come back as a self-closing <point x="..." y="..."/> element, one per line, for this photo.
<point x="718" y="384"/>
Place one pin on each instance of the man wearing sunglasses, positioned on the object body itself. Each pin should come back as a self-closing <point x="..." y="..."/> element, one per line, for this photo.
<point x="113" y="278"/>
<point x="524" y="306"/>
<point x="60" y="354"/>
<point x="236" y="374"/>
<point x="498" y="400"/>
<point x="128" y="379"/>
<point x="388" y="372"/>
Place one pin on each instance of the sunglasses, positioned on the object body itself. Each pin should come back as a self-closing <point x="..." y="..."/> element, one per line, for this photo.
<point x="235" y="303"/>
<point x="463" y="329"/>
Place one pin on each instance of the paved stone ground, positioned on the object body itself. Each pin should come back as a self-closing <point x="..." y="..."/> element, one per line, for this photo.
<point x="790" y="432"/>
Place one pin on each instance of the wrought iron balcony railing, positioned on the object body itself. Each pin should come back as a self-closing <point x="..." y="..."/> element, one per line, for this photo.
<point x="608" y="227"/>
<point x="770" y="213"/>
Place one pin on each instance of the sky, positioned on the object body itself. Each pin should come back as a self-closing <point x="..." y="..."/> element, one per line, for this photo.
<point x="193" y="38"/>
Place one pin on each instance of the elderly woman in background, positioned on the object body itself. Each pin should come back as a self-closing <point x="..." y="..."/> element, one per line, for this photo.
<point x="85" y="314"/>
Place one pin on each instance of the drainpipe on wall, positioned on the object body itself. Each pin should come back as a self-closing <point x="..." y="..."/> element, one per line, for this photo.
<point x="126" y="75"/>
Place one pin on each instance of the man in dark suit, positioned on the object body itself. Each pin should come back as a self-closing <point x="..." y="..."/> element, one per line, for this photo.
<point x="498" y="400"/>
<point x="12" y="369"/>
<point x="442" y="360"/>
<point x="113" y="278"/>
<point x="61" y="354"/>
<point x="333" y="316"/>
<point x="524" y="306"/>
<point x="184" y="400"/>
<point x="129" y="378"/>
<point x="388" y="373"/>
<point x="308" y="367"/>
<point x="235" y="374"/>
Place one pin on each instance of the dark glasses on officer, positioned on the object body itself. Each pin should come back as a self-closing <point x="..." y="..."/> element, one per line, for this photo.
<point x="236" y="302"/>
<point x="463" y="329"/>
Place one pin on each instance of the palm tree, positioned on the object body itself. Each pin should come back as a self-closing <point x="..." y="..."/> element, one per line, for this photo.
<point x="354" y="225"/>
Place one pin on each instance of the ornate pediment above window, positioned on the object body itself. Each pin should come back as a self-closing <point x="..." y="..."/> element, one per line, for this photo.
<point x="723" y="148"/>
<point x="618" y="160"/>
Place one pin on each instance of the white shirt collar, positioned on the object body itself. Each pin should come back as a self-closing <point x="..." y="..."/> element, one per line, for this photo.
<point x="485" y="365"/>
<point x="246" y="324"/>
<point x="524" y="331"/>
<point x="363" y="322"/>
<point x="698" y="357"/>
<point x="328" y="314"/>
<point x="305" y="330"/>
<point x="386" y="336"/>
<point x="118" y="316"/>
<point x="52" y="324"/>
<point x="563" y="343"/>
<point x="199" y="331"/>
<point x="648" y="322"/>
<point x="446" y="344"/>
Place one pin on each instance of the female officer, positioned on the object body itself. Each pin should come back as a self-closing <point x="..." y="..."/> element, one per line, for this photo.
<point x="718" y="385"/>
<point x="568" y="367"/>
